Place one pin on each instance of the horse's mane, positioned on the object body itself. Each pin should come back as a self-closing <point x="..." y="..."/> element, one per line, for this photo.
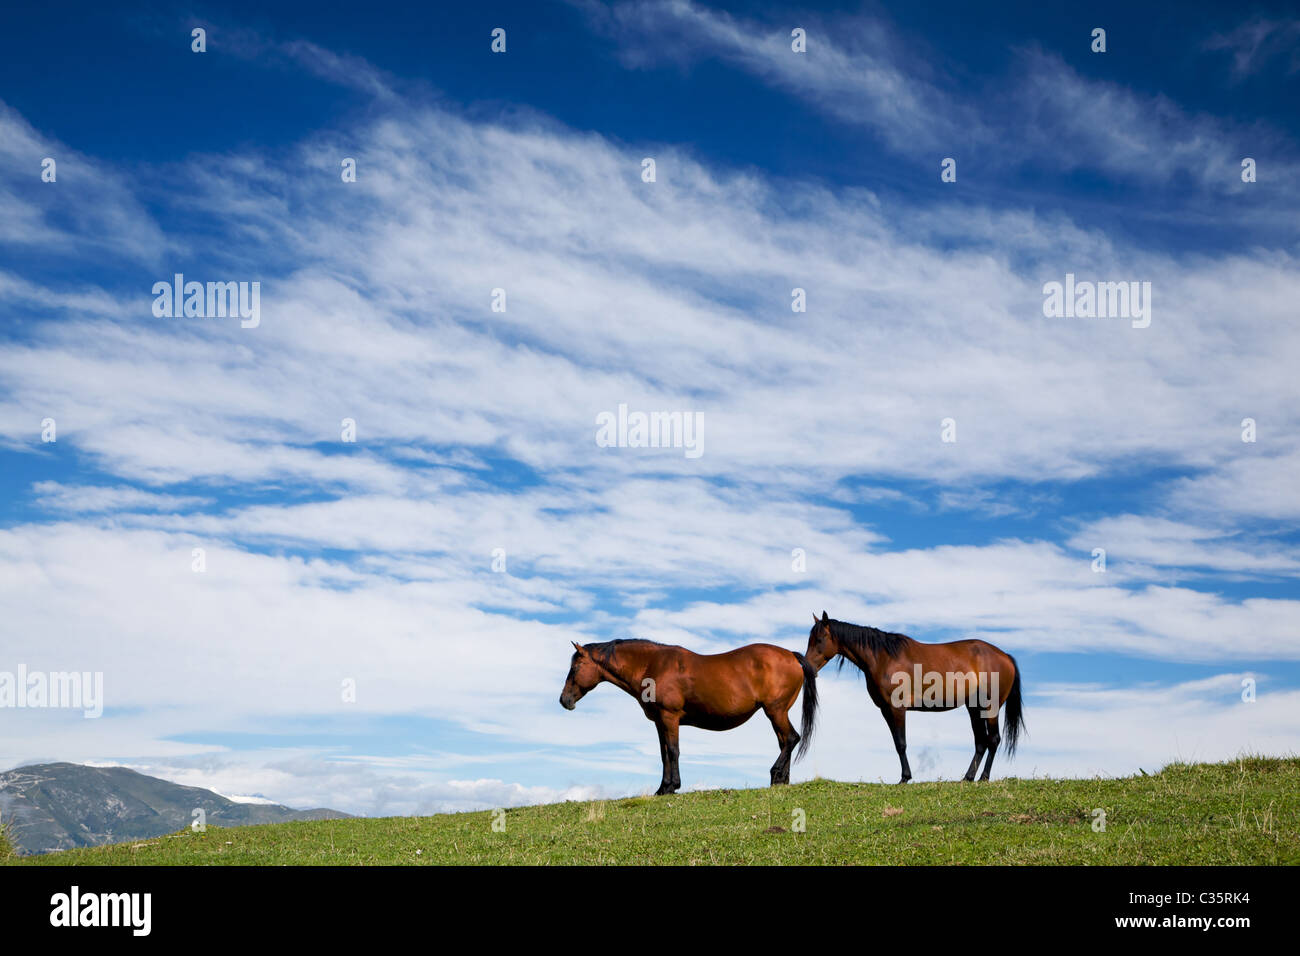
<point x="868" y="639"/>
<point x="600" y="652"/>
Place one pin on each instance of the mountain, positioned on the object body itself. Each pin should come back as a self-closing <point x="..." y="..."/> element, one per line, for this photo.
<point x="56" y="806"/>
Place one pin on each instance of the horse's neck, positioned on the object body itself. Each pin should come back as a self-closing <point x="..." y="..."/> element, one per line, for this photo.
<point x="864" y="657"/>
<point x="624" y="666"/>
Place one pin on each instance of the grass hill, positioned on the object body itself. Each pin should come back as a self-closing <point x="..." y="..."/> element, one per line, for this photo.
<point x="1243" y="812"/>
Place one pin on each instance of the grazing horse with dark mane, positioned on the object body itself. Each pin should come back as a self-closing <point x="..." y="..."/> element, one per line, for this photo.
<point x="675" y="686"/>
<point x="903" y="674"/>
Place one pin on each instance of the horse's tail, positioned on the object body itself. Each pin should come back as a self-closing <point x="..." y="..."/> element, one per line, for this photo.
<point x="1015" y="711"/>
<point x="809" y="704"/>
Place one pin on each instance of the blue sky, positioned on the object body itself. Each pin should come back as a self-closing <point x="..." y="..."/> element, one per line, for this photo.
<point x="371" y="561"/>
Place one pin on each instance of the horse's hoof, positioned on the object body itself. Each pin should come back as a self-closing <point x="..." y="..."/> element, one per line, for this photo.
<point x="904" y="780"/>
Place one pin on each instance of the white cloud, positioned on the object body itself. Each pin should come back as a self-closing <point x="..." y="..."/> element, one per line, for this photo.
<point x="852" y="70"/>
<point x="1141" y="540"/>
<point x="92" y="498"/>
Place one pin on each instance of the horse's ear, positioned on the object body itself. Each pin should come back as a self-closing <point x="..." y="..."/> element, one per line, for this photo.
<point x="825" y="619"/>
<point x="577" y="646"/>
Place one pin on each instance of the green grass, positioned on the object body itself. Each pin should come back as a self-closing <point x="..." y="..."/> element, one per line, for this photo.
<point x="1243" y="812"/>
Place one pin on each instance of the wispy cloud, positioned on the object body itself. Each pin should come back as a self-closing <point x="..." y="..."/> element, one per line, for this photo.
<point x="92" y="498"/>
<point x="1042" y="113"/>
<point x="1259" y="41"/>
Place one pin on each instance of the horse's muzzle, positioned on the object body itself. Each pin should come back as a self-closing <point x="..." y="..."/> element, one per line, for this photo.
<point x="567" y="702"/>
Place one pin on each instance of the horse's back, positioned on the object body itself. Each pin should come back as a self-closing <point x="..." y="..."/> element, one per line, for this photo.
<point x="753" y="651"/>
<point x="964" y="656"/>
<point x="758" y="659"/>
<point x="743" y="678"/>
<point x="972" y="648"/>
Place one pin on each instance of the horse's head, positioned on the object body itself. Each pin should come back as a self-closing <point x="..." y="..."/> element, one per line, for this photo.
<point x="822" y="645"/>
<point x="584" y="674"/>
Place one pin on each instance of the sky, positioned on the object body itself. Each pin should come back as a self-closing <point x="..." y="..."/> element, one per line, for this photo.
<point x="382" y="625"/>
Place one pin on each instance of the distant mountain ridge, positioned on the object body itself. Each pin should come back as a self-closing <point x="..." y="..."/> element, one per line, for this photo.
<point x="58" y="806"/>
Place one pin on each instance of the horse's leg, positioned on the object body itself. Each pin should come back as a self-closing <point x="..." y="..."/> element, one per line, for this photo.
<point x="672" y="773"/>
<point x="787" y="737"/>
<point x="663" y="757"/>
<point x="896" y="718"/>
<point x="981" y="741"/>
<point x="994" y="739"/>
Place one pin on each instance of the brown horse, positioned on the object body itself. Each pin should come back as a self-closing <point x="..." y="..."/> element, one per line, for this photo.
<point x="675" y="686"/>
<point x="903" y="674"/>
